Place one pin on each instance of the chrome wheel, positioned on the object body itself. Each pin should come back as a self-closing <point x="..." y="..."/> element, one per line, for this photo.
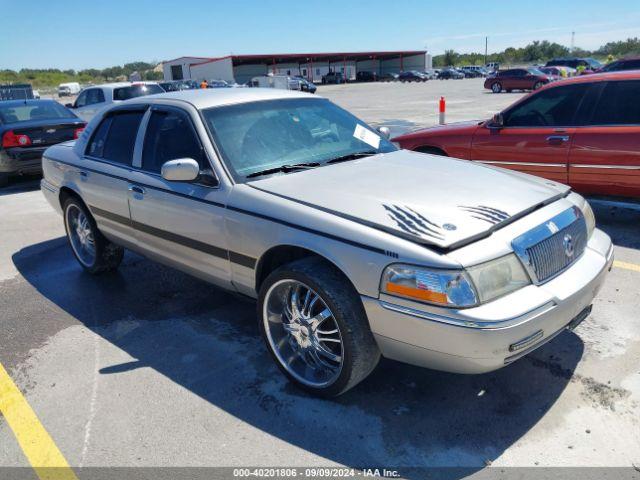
<point x="497" y="87"/>
<point x="303" y="333"/>
<point x="80" y="235"/>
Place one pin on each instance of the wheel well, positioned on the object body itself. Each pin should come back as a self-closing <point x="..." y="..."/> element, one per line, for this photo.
<point x="431" y="150"/>
<point x="281" y="255"/>
<point x="65" y="193"/>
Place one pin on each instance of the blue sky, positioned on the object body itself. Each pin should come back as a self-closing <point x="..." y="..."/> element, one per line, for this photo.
<point x="82" y="34"/>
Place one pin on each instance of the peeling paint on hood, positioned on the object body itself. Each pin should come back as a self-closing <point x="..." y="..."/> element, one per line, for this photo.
<point x="425" y="198"/>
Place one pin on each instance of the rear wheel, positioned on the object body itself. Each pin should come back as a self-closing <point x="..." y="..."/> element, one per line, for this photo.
<point x="496" y="87"/>
<point x="537" y="85"/>
<point x="93" y="251"/>
<point x="315" y="327"/>
<point x="4" y="180"/>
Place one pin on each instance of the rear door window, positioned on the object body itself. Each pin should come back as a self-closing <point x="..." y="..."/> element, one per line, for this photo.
<point x="554" y="107"/>
<point x="170" y="136"/>
<point x="619" y="104"/>
<point x="115" y="137"/>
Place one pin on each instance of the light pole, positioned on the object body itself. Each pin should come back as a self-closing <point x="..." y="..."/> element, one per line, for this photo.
<point x="486" y="44"/>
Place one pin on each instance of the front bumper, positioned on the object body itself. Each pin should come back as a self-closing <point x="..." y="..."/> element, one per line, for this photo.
<point x="18" y="160"/>
<point x="490" y="336"/>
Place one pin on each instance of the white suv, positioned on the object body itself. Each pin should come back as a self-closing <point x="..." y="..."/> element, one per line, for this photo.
<point x="93" y="99"/>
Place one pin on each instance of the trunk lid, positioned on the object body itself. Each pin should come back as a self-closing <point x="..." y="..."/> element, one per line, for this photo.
<point x="48" y="132"/>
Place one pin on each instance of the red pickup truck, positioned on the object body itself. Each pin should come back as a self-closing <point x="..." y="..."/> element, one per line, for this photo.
<point x="583" y="131"/>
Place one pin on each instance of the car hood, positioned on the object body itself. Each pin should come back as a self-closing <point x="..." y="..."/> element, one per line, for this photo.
<point x="466" y="127"/>
<point x="427" y="199"/>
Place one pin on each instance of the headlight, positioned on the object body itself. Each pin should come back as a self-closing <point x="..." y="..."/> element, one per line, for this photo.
<point x="448" y="288"/>
<point x="498" y="277"/>
<point x="456" y="288"/>
<point x="589" y="218"/>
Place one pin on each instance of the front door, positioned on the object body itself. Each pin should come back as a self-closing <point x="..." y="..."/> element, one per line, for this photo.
<point x="605" y="154"/>
<point x="536" y="135"/>
<point x="181" y="224"/>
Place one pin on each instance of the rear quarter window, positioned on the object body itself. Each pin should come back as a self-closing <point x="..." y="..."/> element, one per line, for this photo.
<point x="133" y="91"/>
<point x="115" y="137"/>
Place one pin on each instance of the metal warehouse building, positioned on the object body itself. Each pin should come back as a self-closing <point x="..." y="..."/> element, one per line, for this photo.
<point x="312" y="66"/>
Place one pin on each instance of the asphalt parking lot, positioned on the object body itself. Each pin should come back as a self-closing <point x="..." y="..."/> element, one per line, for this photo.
<point x="150" y="367"/>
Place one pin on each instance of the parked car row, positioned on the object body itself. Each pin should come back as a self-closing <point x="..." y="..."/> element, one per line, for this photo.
<point x="352" y="248"/>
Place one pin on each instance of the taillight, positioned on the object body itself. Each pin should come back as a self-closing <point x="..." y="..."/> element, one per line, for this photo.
<point x="77" y="132"/>
<point x="11" y="139"/>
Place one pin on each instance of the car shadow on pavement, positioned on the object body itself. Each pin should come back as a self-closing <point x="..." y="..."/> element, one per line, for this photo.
<point x="21" y="184"/>
<point x="616" y="222"/>
<point x="207" y="341"/>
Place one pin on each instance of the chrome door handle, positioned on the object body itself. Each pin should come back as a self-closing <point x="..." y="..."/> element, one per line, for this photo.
<point x="137" y="189"/>
<point x="558" y="138"/>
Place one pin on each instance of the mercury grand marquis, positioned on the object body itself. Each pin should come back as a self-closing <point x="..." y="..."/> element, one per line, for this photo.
<point x="353" y="248"/>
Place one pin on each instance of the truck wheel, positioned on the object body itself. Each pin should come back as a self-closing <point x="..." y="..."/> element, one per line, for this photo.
<point x="315" y="327"/>
<point x="4" y="180"/>
<point x="496" y="87"/>
<point x="93" y="251"/>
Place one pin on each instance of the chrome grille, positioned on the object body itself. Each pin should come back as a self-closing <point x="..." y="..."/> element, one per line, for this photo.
<point x="549" y="257"/>
<point x="553" y="246"/>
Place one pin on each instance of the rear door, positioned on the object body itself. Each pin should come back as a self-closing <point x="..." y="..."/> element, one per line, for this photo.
<point x="178" y="223"/>
<point x="605" y="154"/>
<point x="536" y="136"/>
<point x="104" y="177"/>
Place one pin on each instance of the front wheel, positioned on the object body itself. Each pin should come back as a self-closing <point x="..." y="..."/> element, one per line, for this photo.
<point x="496" y="87"/>
<point x="537" y="85"/>
<point x="93" y="251"/>
<point x="4" y="180"/>
<point x="315" y="327"/>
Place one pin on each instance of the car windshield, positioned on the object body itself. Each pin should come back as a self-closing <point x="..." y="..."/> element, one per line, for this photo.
<point x="270" y="134"/>
<point x="39" y="110"/>
<point x="534" y="71"/>
<point x="125" y="93"/>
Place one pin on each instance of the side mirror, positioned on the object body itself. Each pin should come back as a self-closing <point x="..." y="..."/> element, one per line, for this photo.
<point x="497" y="121"/>
<point x="385" y="132"/>
<point x="180" y="170"/>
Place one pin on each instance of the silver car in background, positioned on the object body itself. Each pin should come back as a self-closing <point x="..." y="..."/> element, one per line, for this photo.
<point x="354" y="249"/>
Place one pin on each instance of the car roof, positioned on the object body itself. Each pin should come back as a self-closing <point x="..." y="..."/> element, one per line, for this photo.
<point x="31" y="101"/>
<point x="114" y="85"/>
<point x="216" y="97"/>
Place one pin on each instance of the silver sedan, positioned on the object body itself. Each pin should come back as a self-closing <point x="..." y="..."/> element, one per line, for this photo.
<point x="353" y="249"/>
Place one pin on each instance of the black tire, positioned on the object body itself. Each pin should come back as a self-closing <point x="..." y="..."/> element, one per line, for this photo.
<point x="538" y="85"/>
<point x="4" y="180"/>
<point x="107" y="254"/>
<point x="496" y="87"/>
<point x="361" y="354"/>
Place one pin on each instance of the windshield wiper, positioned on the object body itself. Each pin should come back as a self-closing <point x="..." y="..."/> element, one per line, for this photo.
<point x="285" y="169"/>
<point x="352" y="156"/>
